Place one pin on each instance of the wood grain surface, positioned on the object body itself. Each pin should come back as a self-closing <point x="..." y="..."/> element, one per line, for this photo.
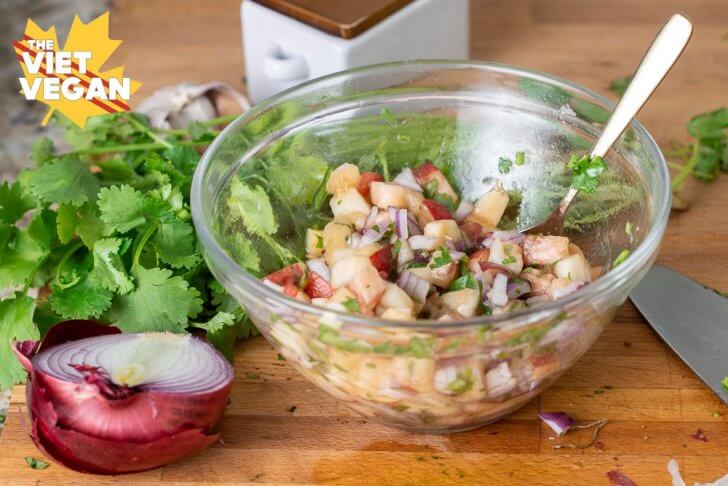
<point x="653" y="401"/>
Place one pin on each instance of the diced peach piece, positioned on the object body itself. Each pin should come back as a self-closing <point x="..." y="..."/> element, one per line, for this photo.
<point x="489" y="209"/>
<point x="544" y="250"/>
<point x="539" y="279"/>
<point x="397" y="314"/>
<point x="427" y="173"/>
<point x="573" y="267"/>
<point x="464" y="301"/>
<point x="384" y="195"/>
<point x="335" y="237"/>
<point x="413" y="373"/>
<point x="349" y="207"/>
<point x="444" y="274"/>
<point x="477" y="258"/>
<point x="508" y="255"/>
<point x="443" y="231"/>
<point x="368" y="286"/>
<point x="346" y="270"/>
<point x="314" y="243"/>
<point x="396" y="298"/>
<point x="344" y="177"/>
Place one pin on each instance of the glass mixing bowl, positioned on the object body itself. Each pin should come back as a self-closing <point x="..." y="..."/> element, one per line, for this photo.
<point x="428" y="375"/>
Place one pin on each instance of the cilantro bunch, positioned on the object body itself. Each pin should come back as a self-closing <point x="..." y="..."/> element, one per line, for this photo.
<point x="105" y="232"/>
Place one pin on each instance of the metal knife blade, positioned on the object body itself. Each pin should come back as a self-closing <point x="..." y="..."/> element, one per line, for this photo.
<point x="691" y="318"/>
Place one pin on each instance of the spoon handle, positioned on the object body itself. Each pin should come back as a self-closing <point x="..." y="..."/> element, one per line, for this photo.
<point x="659" y="58"/>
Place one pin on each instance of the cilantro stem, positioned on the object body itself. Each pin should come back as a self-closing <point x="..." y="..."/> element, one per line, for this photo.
<point x="149" y="132"/>
<point x="131" y="147"/>
<point x="64" y="259"/>
<point x="141" y="243"/>
<point x="687" y="169"/>
<point x="383" y="162"/>
<point x="674" y="165"/>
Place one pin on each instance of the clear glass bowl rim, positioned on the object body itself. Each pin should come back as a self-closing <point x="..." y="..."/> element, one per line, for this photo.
<point x="602" y="286"/>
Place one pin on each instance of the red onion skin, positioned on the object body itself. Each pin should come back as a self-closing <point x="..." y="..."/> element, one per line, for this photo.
<point x="77" y="426"/>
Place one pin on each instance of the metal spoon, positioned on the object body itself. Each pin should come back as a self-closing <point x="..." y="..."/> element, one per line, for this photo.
<point x="659" y="58"/>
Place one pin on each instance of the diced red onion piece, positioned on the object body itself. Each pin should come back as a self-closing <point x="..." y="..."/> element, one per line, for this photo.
<point x="319" y="266"/>
<point x="498" y="295"/>
<point x="414" y="286"/>
<point x="355" y="239"/>
<point x="421" y="242"/>
<point x="407" y="179"/>
<point x="457" y="255"/>
<point x="560" y="422"/>
<point x="400" y="220"/>
<point x="487" y="242"/>
<point x="463" y="210"/>
<point x="509" y="236"/>
<point x="373" y="213"/>
<point x="517" y="288"/>
<point x="569" y="289"/>
<point x="414" y="228"/>
<point x="372" y="235"/>
<point x="392" y="212"/>
<point x="108" y="403"/>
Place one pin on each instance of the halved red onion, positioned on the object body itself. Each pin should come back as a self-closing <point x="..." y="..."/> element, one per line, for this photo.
<point x="407" y="179"/>
<point x="569" y="289"/>
<point x="319" y="266"/>
<point x="498" y="295"/>
<point x="109" y="403"/>
<point x="517" y="288"/>
<point x="463" y="210"/>
<point x="509" y="236"/>
<point x="416" y="287"/>
<point x="422" y="242"/>
<point x="560" y="422"/>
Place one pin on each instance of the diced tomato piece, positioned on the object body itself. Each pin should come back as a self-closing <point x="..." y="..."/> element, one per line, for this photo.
<point x="474" y="231"/>
<point x="437" y="210"/>
<point x="317" y="287"/>
<point x="288" y="277"/>
<point x="383" y="260"/>
<point x="366" y="179"/>
<point x="423" y="173"/>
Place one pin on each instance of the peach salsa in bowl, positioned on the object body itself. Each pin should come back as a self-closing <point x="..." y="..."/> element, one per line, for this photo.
<point x="368" y="224"/>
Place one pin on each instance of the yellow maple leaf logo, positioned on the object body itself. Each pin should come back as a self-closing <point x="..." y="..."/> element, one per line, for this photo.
<point x="70" y="80"/>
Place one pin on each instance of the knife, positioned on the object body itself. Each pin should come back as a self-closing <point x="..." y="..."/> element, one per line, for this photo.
<point x="691" y="318"/>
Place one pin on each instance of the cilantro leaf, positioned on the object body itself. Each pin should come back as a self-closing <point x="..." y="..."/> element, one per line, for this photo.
<point x="35" y="463"/>
<point x="466" y="281"/>
<point x="89" y="225"/>
<point x="160" y="302"/>
<point x="244" y="253"/>
<point x="351" y="304"/>
<point x="108" y="271"/>
<point x="216" y="323"/>
<point x="253" y="207"/>
<point x="724" y="382"/>
<point x="619" y="85"/>
<point x="65" y="180"/>
<point x="42" y="151"/>
<point x="66" y="221"/>
<point x="441" y="258"/>
<point x="83" y="300"/>
<point x="122" y="207"/>
<point x="520" y="157"/>
<point x="13" y="202"/>
<point x="28" y="248"/>
<point x="586" y="172"/>
<point x="621" y="258"/>
<point x="463" y="381"/>
<point x="175" y="244"/>
<point x="709" y="125"/>
<point x="504" y="165"/>
<point x="16" y="324"/>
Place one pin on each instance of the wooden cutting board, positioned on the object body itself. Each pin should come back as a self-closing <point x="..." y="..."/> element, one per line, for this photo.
<point x="655" y="402"/>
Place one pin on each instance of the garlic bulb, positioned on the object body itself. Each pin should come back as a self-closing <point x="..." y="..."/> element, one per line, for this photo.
<point x="178" y="105"/>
